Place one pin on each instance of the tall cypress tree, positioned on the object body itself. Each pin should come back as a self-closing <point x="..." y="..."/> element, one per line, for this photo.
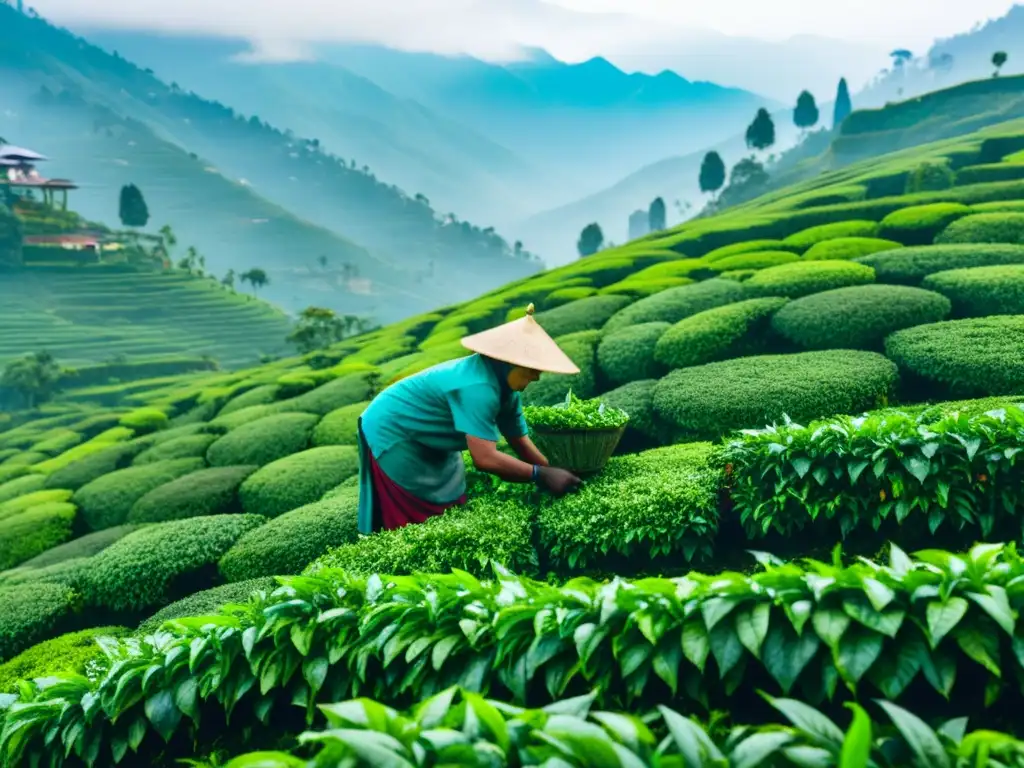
<point x="843" y="106"/>
<point x="132" y="210"/>
<point x="656" y="215"/>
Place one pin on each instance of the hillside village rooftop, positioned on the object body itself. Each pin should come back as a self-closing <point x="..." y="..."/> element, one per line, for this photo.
<point x="17" y="171"/>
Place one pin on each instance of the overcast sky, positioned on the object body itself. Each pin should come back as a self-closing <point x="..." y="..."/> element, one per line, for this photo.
<point x="492" y="28"/>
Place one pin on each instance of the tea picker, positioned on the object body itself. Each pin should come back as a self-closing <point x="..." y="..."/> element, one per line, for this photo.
<point x="412" y="435"/>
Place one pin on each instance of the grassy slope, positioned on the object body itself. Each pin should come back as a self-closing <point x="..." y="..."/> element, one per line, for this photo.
<point x="92" y="314"/>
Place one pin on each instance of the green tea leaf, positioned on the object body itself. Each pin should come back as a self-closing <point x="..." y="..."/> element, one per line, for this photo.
<point x="752" y="627"/>
<point x="923" y="741"/>
<point x="943" y="617"/>
<point x="856" y="752"/>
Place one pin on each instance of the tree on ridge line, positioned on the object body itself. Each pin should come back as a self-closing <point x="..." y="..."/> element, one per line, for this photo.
<point x="712" y="173"/>
<point x="591" y="240"/>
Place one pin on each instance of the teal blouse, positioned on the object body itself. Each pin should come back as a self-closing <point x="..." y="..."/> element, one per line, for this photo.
<point x="416" y="429"/>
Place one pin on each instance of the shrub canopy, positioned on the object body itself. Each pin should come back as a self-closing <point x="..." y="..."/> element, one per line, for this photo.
<point x="982" y="291"/>
<point x="263" y="441"/>
<point x="708" y="401"/>
<point x="909" y="266"/>
<point x="717" y="334"/>
<point x="919" y="224"/>
<point x="205" y="492"/>
<point x="858" y="317"/>
<point x="805" y="278"/>
<point x="673" y="305"/>
<point x="628" y="354"/>
<point x="584" y="315"/>
<point x="985" y="228"/>
<point x="297" y="480"/>
<point x="107" y="500"/>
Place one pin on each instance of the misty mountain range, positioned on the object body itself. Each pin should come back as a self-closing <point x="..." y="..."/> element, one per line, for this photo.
<point x="403" y="165"/>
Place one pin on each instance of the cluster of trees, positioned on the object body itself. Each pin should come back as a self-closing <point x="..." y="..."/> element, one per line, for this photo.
<point x="319" y="328"/>
<point x="32" y="379"/>
<point x="760" y="136"/>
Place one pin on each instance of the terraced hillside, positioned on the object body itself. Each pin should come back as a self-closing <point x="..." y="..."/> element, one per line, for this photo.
<point x="834" y="371"/>
<point x="85" y="315"/>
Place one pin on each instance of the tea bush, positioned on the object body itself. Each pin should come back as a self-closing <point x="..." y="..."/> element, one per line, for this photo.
<point x="910" y="266"/>
<point x="552" y="388"/>
<point x="734" y="330"/>
<point x="55" y="443"/>
<point x="660" y="503"/>
<point x="858" y="317"/>
<point x="985" y="228"/>
<point x="486" y="530"/>
<point x="264" y="440"/>
<point x="805" y="278"/>
<point x="107" y="500"/>
<point x="261" y="395"/>
<point x="287" y="544"/>
<point x="920" y="224"/>
<point x="12" y="489"/>
<point x="30" y="613"/>
<point x="209" y="601"/>
<point x="618" y="639"/>
<point x="60" y="656"/>
<point x="980" y="174"/>
<point x="188" y="447"/>
<point x="584" y="315"/>
<point x="205" y="492"/>
<point x="244" y="416"/>
<point x="748" y="246"/>
<point x="354" y="388"/>
<point x="108" y="459"/>
<point x="628" y="354"/>
<point x="673" y="305"/>
<point x="32" y="532"/>
<point x="982" y="291"/>
<point x="145" y="420"/>
<point x="813" y="235"/>
<point x="340" y="427"/>
<point x="708" y="401"/>
<point x="24" y="503"/>
<point x="644" y="429"/>
<point x="567" y="295"/>
<point x="97" y="444"/>
<point x="636" y="287"/>
<point x="963" y="358"/>
<point x="846" y="248"/>
<point x="755" y="260"/>
<point x="299" y="479"/>
<point x="158" y="564"/>
<point x="84" y="546"/>
<point x="906" y="474"/>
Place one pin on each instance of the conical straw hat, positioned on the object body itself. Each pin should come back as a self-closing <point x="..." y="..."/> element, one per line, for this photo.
<point x="522" y="342"/>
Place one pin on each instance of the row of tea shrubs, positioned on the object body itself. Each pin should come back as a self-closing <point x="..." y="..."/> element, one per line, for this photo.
<point x="919" y="628"/>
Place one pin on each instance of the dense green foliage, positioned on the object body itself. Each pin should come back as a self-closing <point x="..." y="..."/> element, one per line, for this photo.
<point x="584" y="315"/>
<point x="185" y="447"/>
<point x="107" y="500"/>
<point x="858" y="317"/>
<point x="208" y="601"/>
<point x="264" y="440"/>
<point x="734" y="330"/>
<point x="34" y="531"/>
<point x="84" y="546"/>
<point x="673" y="305"/>
<point x="964" y="358"/>
<point x="627" y="354"/>
<point x="644" y="429"/>
<point x="340" y="427"/>
<point x="813" y="235"/>
<point x="30" y="613"/>
<point x="909" y="266"/>
<point x="465" y="538"/>
<point x="841" y="248"/>
<point x="65" y="655"/>
<point x="299" y="479"/>
<point x="459" y="727"/>
<point x="904" y="473"/>
<point x="204" y="492"/>
<point x="985" y="228"/>
<point x="287" y="544"/>
<point x="981" y="291"/>
<point x="805" y="278"/>
<point x="818" y="628"/>
<point x="707" y="401"/>
<point x="158" y="564"/>
<point x="919" y="224"/>
<point x="574" y="413"/>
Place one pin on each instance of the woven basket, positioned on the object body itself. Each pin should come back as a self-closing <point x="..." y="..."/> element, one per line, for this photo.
<point x="581" y="451"/>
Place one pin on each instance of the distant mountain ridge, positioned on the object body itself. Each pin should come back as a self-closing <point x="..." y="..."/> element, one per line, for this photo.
<point x="97" y="112"/>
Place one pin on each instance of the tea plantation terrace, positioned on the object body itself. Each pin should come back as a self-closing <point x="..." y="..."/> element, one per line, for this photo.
<point x="831" y="372"/>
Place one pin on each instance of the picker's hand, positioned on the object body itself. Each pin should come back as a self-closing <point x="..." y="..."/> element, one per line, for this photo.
<point x="556" y="481"/>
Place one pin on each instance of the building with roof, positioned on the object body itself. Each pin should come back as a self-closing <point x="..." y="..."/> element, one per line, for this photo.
<point x="18" y="175"/>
